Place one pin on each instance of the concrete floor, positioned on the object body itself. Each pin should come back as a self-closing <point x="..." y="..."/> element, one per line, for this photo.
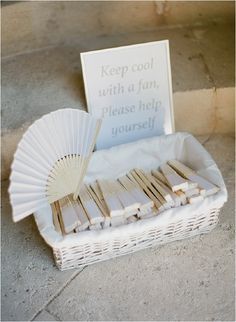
<point x="186" y="280"/>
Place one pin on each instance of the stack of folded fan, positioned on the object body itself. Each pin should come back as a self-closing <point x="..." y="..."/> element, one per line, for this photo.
<point x="137" y="195"/>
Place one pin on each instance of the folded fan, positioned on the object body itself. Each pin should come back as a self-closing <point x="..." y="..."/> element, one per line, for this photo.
<point x="51" y="160"/>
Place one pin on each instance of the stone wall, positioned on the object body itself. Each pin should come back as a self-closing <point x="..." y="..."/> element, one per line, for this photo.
<point x="28" y="26"/>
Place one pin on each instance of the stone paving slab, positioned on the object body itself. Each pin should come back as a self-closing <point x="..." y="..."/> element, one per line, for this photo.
<point x="215" y="43"/>
<point x="186" y="280"/>
<point x="45" y="316"/>
<point x="29" y="275"/>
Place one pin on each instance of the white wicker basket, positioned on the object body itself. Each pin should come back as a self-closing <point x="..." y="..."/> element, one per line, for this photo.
<point x="78" y="250"/>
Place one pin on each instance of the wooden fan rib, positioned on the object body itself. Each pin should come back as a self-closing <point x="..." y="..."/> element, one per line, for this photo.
<point x="85" y="161"/>
<point x="63" y="179"/>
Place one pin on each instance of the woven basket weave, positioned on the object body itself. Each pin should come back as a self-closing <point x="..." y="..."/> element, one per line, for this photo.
<point x="82" y="254"/>
<point x="88" y="247"/>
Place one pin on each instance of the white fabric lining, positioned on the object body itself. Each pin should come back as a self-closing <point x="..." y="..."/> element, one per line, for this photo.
<point x="146" y="154"/>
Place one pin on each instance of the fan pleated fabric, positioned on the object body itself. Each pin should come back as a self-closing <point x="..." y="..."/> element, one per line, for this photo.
<point x="51" y="159"/>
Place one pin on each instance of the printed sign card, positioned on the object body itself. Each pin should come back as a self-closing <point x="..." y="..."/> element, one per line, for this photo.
<point x="130" y="89"/>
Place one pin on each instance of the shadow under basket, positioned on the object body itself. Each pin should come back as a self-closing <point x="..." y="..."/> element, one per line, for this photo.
<point x="76" y="250"/>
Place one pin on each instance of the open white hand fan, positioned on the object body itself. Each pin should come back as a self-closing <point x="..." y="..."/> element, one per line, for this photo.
<point x="51" y="160"/>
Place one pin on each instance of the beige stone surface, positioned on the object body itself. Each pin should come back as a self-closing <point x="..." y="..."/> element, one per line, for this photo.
<point x="195" y="12"/>
<point x="9" y="143"/>
<point x="225" y="110"/>
<point x="215" y="43"/>
<point x="191" y="280"/>
<point x="205" y="111"/>
<point x="45" y="24"/>
<point x="194" y="111"/>
<point x="31" y="25"/>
